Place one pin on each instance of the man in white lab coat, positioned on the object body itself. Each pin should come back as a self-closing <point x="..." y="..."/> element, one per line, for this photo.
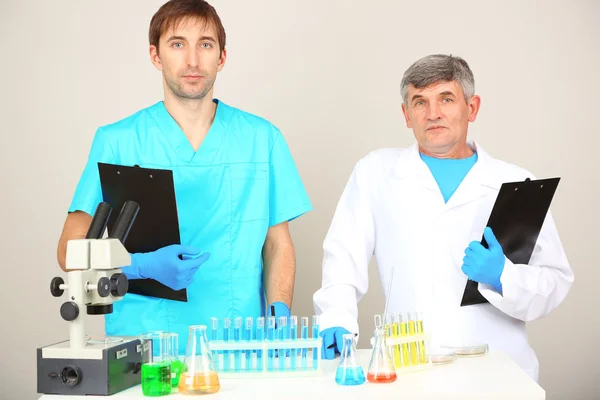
<point x="422" y="212"/>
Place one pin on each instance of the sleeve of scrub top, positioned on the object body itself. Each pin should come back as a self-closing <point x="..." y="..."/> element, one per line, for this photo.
<point x="347" y="251"/>
<point x="287" y="197"/>
<point x="533" y="291"/>
<point x="88" y="193"/>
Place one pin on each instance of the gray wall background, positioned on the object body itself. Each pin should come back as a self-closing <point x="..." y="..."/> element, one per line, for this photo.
<point x="327" y="73"/>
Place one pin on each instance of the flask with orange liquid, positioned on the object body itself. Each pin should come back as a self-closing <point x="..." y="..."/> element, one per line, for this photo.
<point x="199" y="375"/>
<point x="381" y="367"/>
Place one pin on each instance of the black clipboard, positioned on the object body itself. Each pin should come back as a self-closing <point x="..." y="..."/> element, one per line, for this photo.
<point x="516" y="220"/>
<point x="157" y="223"/>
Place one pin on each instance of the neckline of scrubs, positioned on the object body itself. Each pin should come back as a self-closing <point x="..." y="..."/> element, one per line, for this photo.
<point x="209" y="147"/>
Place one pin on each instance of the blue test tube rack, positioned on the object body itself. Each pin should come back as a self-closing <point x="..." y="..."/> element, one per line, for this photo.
<point x="256" y="355"/>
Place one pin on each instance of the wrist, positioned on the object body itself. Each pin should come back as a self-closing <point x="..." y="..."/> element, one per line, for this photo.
<point x="134" y="270"/>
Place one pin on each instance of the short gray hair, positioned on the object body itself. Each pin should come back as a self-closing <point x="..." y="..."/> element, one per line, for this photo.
<point x="436" y="68"/>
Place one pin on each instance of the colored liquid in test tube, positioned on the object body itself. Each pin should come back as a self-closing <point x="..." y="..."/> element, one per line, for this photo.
<point x="249" y="357"/>
<point x="304" y="335"/>
<point x="214" y="335"/>
<point x="396" y="333"/>
<point x="422" y="352"/>
<point x="226" y="337"/>
<point x="413" y="345"/>
<point x="282" y="335"/>
<point x="237" y="337"/>
<point x="293" y="336"/>
<point x="404" y="332"/>
<point x="387" y="324"/>
<point x="270" y="338"/>
<point x="315" y="335"/>
<point x="260" y="337"/>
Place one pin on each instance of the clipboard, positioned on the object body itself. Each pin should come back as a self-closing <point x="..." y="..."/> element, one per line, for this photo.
<point x="516" y="220"/>
<point x="157" y="223"/>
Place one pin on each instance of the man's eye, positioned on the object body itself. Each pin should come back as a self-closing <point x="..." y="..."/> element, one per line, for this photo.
<point x="177" y="45"/>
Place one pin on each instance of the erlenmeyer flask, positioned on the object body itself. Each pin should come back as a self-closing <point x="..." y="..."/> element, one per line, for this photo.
<point x="348" y="372"/>
<point x="381" y="368"/>
<point x="199" y="375"/>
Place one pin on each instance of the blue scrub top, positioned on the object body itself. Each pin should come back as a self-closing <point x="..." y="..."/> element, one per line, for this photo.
<point x="241" y="181"/>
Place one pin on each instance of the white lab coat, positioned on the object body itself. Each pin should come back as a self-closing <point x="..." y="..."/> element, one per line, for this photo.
<point x="392" y="208"/>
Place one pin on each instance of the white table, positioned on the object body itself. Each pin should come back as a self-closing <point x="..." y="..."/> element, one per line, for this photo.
<point x="492" y="376"/>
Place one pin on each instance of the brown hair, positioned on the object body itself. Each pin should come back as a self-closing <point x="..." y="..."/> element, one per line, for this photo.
<point x="174" y="11"/>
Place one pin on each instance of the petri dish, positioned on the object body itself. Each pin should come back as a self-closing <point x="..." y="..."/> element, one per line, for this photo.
<point x="475" y="350"/>
<point x="104" y="340"/>
<point x="442" y="356"/>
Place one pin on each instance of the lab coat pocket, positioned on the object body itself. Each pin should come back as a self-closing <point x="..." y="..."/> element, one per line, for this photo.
<point x="249" y="193"/>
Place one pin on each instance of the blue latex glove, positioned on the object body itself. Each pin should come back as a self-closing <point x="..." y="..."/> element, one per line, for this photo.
<point x="173" y="266"/>
<point x="485" y="265"/>
<point x="333" y="342"/>
<point x="280" y="310"/>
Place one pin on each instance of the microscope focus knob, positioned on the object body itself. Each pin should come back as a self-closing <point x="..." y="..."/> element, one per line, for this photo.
<point x="55" y="286"/>
<point x="104" y="287"/>
<point x="118" y="285"/>
<point x="69" y="311"/>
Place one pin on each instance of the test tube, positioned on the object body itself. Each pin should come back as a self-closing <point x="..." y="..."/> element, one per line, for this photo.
<point x="395" y="334"/>
<point x="387" y="324"/>
<point x="248" y="362"/>
<point x="377" y="320"/>
<point x="260" y="337"/>
<point x="282" y="335"/>
<point x="404" y="332"/>
<point x="271" y="338"/>
<point x="226" y="338"/>
<point x="315" y="335"/>
<point x="293" y="336"/>
<point x="304" y="335"/>
<point x="413" y="345"/>
<point x="422" y="352"/>
<point x="214" y="335"/>
<point x="237" y="336"/>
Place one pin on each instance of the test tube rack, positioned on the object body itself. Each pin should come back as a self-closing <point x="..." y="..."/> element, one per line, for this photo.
<point x="408" y="347"/>
<point x="253" y="354"/>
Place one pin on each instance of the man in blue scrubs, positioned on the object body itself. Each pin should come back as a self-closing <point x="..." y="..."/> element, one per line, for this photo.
<point x="236" y="187"/>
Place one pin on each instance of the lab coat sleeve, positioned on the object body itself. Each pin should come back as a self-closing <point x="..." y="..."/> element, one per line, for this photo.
<point x="532" y="291"/>
<point x="88" y="193"/>
<point x="347" y="250"/>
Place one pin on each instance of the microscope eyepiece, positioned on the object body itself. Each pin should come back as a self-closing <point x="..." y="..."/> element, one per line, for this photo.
<point x="98" y="225"/>
<point x="125" y="221"/>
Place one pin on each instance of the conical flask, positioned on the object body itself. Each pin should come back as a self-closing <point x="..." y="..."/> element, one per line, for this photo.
<point x="349" y="373"/>
<point x="381" y="367"/>
<point x="199" y="375"/>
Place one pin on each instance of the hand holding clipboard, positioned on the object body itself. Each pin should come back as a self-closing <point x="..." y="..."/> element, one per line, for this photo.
<point x="157" y="224"/>
<point x="516" y="220"/>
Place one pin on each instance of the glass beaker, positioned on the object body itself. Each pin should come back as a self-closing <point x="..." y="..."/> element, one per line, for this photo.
<point x="381" y="367"/>
<point x="156" y="365"/>
<point x="199" y="374"/>
<point x="349" y="373"/>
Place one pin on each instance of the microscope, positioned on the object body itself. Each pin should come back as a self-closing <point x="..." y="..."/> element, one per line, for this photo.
<point x="80" y="366"/>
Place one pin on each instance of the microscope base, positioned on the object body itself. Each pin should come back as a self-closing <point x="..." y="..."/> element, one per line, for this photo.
<point x="98" y="369"/>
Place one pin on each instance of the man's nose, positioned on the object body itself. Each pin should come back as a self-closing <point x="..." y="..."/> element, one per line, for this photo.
<point x="192" y="57"/>
<point x="434" y="111"/>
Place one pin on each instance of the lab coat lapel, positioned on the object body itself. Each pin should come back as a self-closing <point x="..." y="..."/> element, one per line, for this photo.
<point x="411" y="167"/>
<point x="478" y="182"/>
